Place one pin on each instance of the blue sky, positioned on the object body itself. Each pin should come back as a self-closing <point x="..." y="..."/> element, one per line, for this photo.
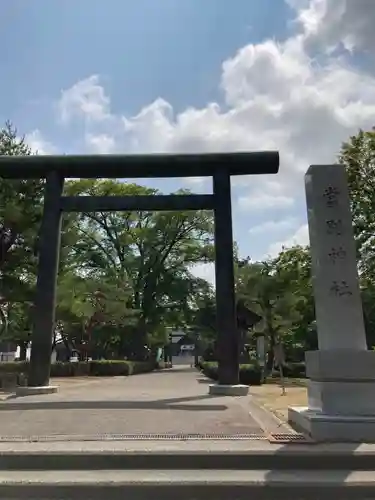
<point x="191" y="75"/>
<point x="142" y="49"/>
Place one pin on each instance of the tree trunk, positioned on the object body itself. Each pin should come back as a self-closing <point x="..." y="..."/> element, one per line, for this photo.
<point x="23" y="350"/>
<point x="3" y="320"/>
<point x="140" y="339"/>
<point x="68" y="352"/>
<point x="271" y="334"/>
<point x="271" y="352"/>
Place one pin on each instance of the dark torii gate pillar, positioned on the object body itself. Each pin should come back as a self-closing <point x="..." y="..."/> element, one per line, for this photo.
<point x="228" y="338"/>
<point x="220" y="166"/>
<point x="45" y="298"/>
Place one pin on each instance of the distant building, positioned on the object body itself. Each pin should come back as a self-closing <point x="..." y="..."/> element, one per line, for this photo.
<point x="7" y="351"/>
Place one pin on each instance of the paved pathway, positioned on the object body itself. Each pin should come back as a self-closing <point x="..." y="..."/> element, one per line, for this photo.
<point x="170" y="401"/>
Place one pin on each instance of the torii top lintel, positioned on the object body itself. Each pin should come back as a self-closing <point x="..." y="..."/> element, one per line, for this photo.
<point x="139" y="166"/>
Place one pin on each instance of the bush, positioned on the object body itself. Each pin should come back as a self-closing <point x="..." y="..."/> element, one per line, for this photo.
<point x="295" y="370"/>
<point x="68" y="369"/>
<point x="250" y="374"/>
<point x="138" y="367"/>
<point x="83" y="369"/>
<point x="110" y="368"/>
<point x="14" y="366"/>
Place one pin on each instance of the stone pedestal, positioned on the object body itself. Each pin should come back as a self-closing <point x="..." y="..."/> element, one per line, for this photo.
<point x="341" y="396"/>
<point x="341" y="386"/>
<point x="33" y="391"/>
<point x="228" y="390"/>
<point x="332" y="428"/>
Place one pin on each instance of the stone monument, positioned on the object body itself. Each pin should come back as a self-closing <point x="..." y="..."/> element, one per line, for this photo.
<point x="341" y="386"/>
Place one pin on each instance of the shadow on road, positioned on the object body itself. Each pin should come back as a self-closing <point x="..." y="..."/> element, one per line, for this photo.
<point x="204" y="381"/>
<point x="162" y="404"/>
<point x="174" y="370"/>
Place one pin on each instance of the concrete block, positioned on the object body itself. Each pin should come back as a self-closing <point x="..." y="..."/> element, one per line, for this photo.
<point x="229" y="390"/>
<point x="340" y="364"/>
<point x="32" y="391"/>
<point x="339" y="428"/>
<point x="342" y="398"/>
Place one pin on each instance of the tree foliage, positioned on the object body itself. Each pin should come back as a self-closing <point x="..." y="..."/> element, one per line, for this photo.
<point x="124" y="278"/>
<point x="20" y="214"/>
<point x="358" y="155"/>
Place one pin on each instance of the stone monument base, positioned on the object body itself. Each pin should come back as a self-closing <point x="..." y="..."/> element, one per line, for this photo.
<point x="33" y="391"/>
<point x="228" y="390"/>
<point x="341" y="396"/>
<point x="322" y="427"/>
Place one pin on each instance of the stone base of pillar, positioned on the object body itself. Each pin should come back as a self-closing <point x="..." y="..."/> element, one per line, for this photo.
<point x="228" y="390"/>
<point x="341" y="396"/>
<point x="33" y="391"/>
<point x="330" y="428"/>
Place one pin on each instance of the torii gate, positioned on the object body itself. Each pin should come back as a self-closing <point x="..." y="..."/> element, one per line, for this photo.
<point x="219" y="166"/>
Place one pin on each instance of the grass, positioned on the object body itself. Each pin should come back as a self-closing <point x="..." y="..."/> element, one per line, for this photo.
<point x="270" y="396"/>
<point x="288" y="382"/>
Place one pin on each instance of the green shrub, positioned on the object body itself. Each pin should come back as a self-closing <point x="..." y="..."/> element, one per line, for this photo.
<point x="112" y="368"/>
<point x="14" y="366"/>
<point x="107" y="368"/>
<point x="295" y="370"/>
<point x="209" y="368"/>
<point x="138" y="367"/>
<point x="250" y="374"/>
<point x="83" y="369"/>
<point x="68" y="369"/>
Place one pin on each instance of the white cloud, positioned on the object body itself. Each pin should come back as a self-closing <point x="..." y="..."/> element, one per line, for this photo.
<point x="264" y="201"/>
<point x="274" y="226"/>
<point x="85" y="98"/>
<point x="329" y="23"/>
<point x="300" y="237"/>
<point x="284" y="96"/>
<point x="39" y="144"/>
<point x="194" y="181"/>
<point x="100" y="143"/>
<point x="276" y="97"/>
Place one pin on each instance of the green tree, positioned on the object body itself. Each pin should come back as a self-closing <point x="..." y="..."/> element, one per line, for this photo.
<point x="151" y="252"/>
<point x="358" y="155"/>
<point x="293" y="267"/>
<point x="20" y="209"/>
<point x="263" y="290"/>
<point x="20" y="215"/>
<point x="202" y="320"/>
<point x="19" y="315"/>
<point x="92" y="315"/>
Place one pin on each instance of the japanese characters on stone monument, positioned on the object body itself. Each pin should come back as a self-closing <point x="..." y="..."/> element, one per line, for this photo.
<point x="337" y="296"/>
<point x="341" y="389"/>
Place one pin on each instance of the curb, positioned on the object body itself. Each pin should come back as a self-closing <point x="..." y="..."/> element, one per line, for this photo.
<point x="282" y="459"/>
<point x="265" y="418"/>
<point x="281" y="424"/>
<point x="185" y="485"/>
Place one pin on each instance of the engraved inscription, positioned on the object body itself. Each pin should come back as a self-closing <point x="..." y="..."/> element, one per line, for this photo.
<point x="340" y="289"/>
<point x="331" y="196"/>
<point x="337" y="254"/>
<point x="334" y="227"/>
